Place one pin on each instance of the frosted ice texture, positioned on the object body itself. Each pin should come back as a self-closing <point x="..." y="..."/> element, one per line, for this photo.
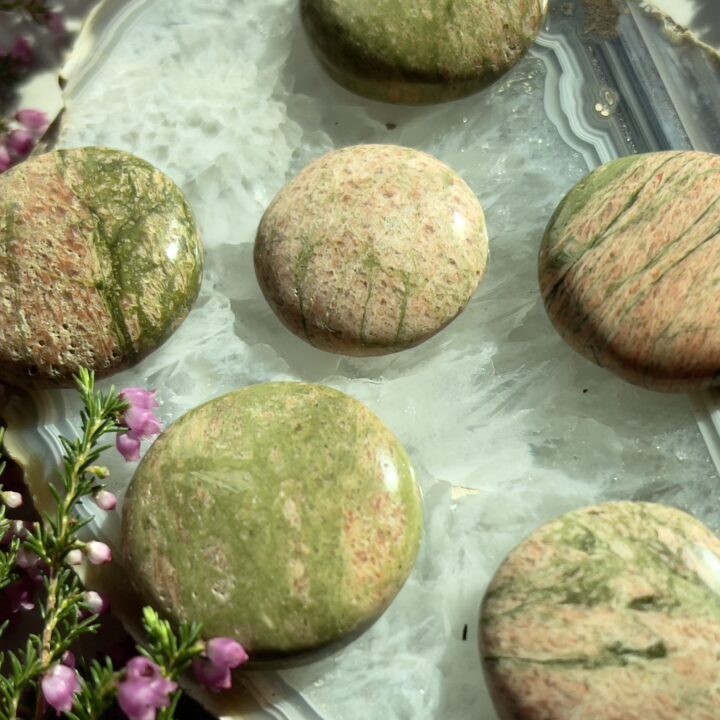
<point x="225" y="97"/>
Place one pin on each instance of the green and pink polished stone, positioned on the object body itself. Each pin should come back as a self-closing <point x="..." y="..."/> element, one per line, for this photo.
<point x="630" y="269"/>
<point x="415" y="51"/>
<point x="284" y="515"/>
<point x="611" y="612"/>
<point x="100" y="261"/>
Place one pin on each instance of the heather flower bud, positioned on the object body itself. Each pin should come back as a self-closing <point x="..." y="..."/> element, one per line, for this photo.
<point x="99" y="471"/>
<point x="98" y="552"/>
<point x="74" y="557"/>
<point x="222" y="654"/>
<point x="144" y="690"/>
<point x="105" y="500"/>
<point x="33" y="120"/>
<point x="11" y="498"/>
<point x="19" y="144"/>
<point x="95" y="602"/>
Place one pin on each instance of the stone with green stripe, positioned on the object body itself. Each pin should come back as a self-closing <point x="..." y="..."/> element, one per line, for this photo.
<point x="630" y="269"/>
<point x="371" y="249"/>
<point x="420" y="51"/>
<point x="284" y="515"/>
<point x="100" y="261"/>
<point x="608" y="612"/>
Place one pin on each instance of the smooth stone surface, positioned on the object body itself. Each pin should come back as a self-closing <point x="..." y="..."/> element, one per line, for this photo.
<point x="610" y="612"/>
<point x="630" y="269"/>
<point x="415" y="51"/>
<point x="371" y="249"/>
<point x="100" y="261"/>
<point x="284" y="515"/>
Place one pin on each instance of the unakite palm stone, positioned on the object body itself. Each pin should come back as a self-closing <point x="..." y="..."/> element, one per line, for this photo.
<point x="371" y="249"/>
<point x="611" y="612"/>
<point x="420" y="51"/>
<point x="100" y="261"/>
<point x="284" y="515"/>
<point x="630" y="269"/>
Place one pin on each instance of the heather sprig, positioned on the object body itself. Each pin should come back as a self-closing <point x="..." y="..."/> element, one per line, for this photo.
<point x="37" y="559"/>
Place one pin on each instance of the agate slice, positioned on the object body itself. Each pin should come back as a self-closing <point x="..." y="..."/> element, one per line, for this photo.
<point x="630" y="269"/>
<point x="284" y="515"/>
<point x="371" y="249"/>
<point x="415" y="52"/>
<point x="100" y="261"/>
<point x="611" y="612"/>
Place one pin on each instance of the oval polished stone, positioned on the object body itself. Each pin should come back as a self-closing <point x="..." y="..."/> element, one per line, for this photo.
<point x="371" y="249"/>
<point x="284" y="515"/>
<point x="610" y="612"/>
<point x="630" y="269"/>
<point x="100" y="261"/>
<point x="415" y="52"/>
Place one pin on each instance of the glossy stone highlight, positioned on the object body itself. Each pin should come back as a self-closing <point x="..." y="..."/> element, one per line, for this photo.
<point x="414" y="51"/>
<point x="611" y="613"/>
<point x="371" y="249"/>
<point x="630" y="269"/>
<point x="284" y="515"/>
<point x="100" y="261"/>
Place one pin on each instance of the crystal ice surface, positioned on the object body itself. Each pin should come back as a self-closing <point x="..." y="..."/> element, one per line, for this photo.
<point x="507" y="427"/>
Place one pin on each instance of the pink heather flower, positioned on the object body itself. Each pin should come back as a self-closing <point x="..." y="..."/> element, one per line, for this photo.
<point x="140" y="421"/>
<point x="225" y="652"/>
<point x="17" y="597"/>
<point x="68" y="659"/>
<point x="74" y="557"/>
<point x="105" y="500"/>
<point x="19" y="144"/>
<point x="55" y="23"/>
<point x="222" y="654"/>
<point x="95" y="602"/>
<point x="128" y="446"/>
<point x="98" y="552"/>
<point x="5" y="159"/>
<point x="138" y="397"/>
<point x="35" y="120"/>
<point x="144" y="690"/>
<point x="11" y="498"/>
<point x="21" y="52"/>
<point x="59" y="685"/>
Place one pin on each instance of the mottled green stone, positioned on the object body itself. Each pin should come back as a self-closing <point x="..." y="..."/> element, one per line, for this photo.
<point x="420" y="51"/>
<point x="284" y="515"/>
<point x="611" y="612"/>
<point x="630" y="269"/>
<point x="100" y="261"/>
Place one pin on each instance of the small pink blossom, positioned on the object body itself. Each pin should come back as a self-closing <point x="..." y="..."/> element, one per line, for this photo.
<point x="35" y="120"/>
<point x="225" y="652"/>
<point x="140" y="421"/>
<point x="144" y="690"/>
<point x="128" y="446"/>
<point x="5" y="159"/>
<point x="59" y="685"/>
<point x="11" y="498"/>
<point x="21" y="52"/>
<point x="222" y="654"/>
<point x="17" y="597"/>
<point x="139" y="397"/>
<point x="98" y="552"/>
<point x="19" y="144"/>
<point x="96" y="603"/>
<point x="105" y="500"/>
<point x="68" y="659"/>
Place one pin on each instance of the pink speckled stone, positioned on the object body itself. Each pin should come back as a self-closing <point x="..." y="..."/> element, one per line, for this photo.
<point x="630" y="269"/>
<point x="371" y="249"/>
<point x="609" y="613"/>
